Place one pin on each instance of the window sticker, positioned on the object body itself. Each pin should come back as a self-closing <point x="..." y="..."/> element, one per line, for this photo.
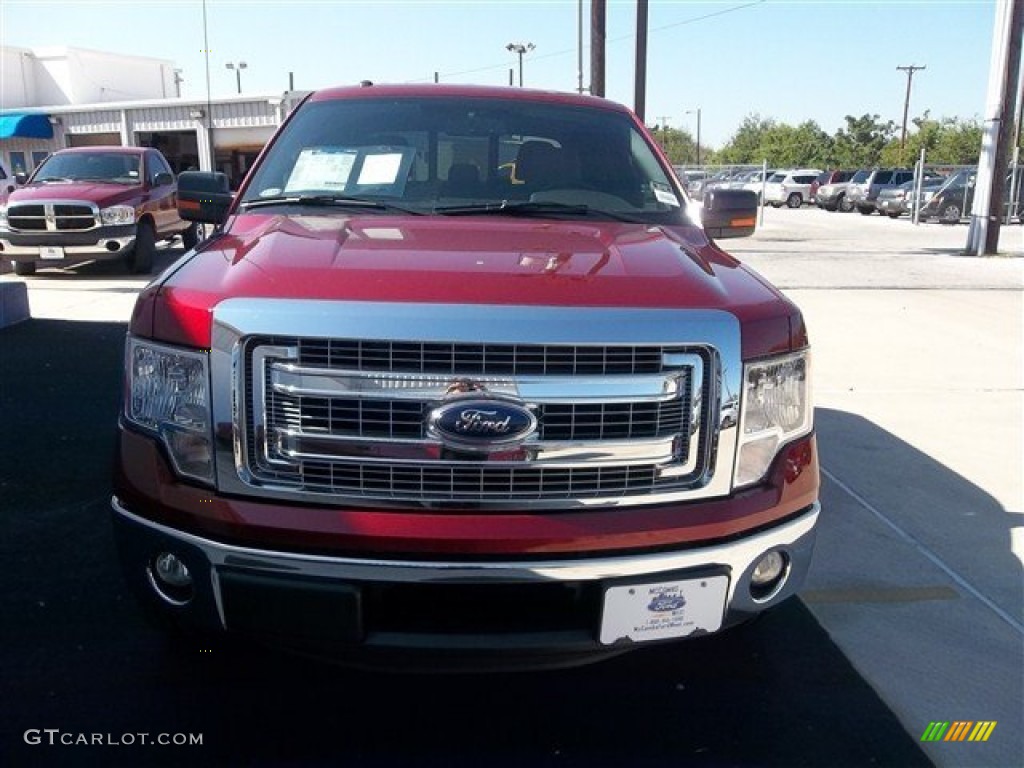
<point x="663" y="194"/>
<point x="380" y="168"/>
<point x="323" y="169"/>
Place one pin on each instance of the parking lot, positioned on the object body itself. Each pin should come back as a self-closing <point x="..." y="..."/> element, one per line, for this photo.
<point x="913" y="611"/>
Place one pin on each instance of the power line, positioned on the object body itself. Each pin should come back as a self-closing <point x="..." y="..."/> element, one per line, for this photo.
<point x="619" y="39"/>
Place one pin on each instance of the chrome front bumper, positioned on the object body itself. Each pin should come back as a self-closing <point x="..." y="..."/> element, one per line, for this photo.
<point x="141" y="539"/>
<point x="106" y="248"/>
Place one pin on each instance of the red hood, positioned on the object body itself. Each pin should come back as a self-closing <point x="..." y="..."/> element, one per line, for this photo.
<point x="471" y="260"/>
<point x="88" y="191"/>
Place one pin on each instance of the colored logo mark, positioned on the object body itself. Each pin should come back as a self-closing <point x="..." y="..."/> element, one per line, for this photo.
<point x="958" y="730"/>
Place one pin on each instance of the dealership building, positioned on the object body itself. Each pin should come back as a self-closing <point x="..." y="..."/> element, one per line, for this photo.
<point x="51" y="98"/>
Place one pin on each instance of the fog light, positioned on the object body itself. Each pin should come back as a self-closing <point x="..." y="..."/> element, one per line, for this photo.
<point x="170" y="578"/>
<point x="172" y="571"/>
<point x="768" y="576"/>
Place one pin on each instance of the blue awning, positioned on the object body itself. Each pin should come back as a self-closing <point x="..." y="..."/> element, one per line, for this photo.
<point x="23" y="125"/>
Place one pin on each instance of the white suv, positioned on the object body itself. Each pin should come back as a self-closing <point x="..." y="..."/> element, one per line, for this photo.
<point x="790" y="187"/>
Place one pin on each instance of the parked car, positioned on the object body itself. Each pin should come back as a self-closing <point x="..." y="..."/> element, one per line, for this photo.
<point x="953" y="200"/>
<point x="829" y="177"/>
<point x="397" y="409"/>
<point x="792" y="187"/>
<point x="866" y="184"/>
<point x="93" y="203"/>
<point x="719" y="179"/>
<point x="895" y="201"/>
<point x="754" y="181"/>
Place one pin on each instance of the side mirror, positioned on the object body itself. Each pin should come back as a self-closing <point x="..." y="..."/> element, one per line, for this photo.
<point x="163" y="179"/>
<point x="729" y="213"/>
<point x="204" y="196"/>
<point x="20" y="178"/>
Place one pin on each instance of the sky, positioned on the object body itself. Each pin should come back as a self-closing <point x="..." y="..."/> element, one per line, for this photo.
<point x="787" y="60"/>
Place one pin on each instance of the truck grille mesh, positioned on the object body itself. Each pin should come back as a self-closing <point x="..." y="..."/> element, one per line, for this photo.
<point x="453" y="478"/>
<point x="43" y="217"/>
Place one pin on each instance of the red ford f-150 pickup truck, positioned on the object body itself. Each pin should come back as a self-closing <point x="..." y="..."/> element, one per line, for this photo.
<point x="459" y="378"/>
<point x="93" y="203"/>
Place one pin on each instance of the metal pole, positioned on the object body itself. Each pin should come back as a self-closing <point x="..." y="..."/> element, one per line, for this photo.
<point x="915" y="206"/>
<point x="209" y="100"/>
<point x="764" y="183"/>
<point x="238" y="78"/>
<point x="640" y="71"/>
<point x="698" y="136"/>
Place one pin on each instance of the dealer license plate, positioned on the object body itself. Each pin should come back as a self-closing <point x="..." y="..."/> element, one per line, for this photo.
<point x="642" y="612"/>
<point x="51" y="252"/>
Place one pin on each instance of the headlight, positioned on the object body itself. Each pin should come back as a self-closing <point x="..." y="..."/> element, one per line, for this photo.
<point x="117" y="214"/>
<point x="167" y="394"/>
<point x="776" y="409"/>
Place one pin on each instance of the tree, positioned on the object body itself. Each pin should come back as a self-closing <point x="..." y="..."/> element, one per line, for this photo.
<point x="677" y="144"/>
<point x="860" y="145"/>
<point x="745" y="146"/>
<point x="949" y="141"/>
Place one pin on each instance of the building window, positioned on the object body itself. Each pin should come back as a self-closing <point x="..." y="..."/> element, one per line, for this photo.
<point x="38" y="157"/>
<point x="18" y="163"/>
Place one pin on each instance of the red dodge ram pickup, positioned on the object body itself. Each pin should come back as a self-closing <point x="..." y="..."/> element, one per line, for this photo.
<point x="460" y="378"/>
<point x="93" y="203"/>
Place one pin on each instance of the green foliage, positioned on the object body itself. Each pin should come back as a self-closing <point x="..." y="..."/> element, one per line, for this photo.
<point x="679" y="145"/>
<point x="949" y="141"/>
<point x="864" y="142"/>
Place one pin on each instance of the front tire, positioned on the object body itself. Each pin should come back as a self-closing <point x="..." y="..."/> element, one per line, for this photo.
<point x="864" y="211"/>
<point x="843" y="205"/>
<point x="141" y="260"/>
<point x="24" y="268"/>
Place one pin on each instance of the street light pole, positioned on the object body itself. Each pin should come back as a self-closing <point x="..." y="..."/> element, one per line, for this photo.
<point x="238" y="72"/>
<point x="520" y="48"/>
<point x="697" y="111"/>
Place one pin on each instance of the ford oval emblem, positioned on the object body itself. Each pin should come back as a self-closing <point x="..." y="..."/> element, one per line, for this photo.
<point x="482" y="424"/>
<point x="666" y="603"/>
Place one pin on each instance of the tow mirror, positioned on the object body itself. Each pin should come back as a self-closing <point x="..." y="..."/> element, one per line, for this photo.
<point x="204" y="196"/>
<point x="729" y="213"/>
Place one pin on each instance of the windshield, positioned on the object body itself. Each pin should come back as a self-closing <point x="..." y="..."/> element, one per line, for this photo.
<point x="115" y="167"/>
<point x="860" y="177"/>
<point x="449" y="155"/>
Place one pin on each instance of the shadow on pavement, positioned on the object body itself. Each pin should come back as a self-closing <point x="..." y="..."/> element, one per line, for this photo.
<point x="78" y="657"/>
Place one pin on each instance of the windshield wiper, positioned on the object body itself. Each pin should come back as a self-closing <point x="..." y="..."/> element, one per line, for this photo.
<point x="326" y="201"/>
<point x="530" y="208"/>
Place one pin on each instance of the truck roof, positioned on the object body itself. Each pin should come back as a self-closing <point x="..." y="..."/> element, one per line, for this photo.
<point x="428" y="90"/>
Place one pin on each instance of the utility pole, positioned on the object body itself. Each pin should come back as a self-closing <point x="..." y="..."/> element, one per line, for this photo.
<point x="997" y="132"/>
<point x="597" y="35"/>
<point x="910" y="70"/>
<point x="640" y="71"/>
<point x="663" y="122"/>
<point x="579" y="46"/>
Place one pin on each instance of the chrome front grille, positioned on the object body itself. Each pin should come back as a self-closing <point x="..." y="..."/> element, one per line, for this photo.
<point x="341" y="403"/>
<point x="349" y="419"/>
<point x="52" y="216"/>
